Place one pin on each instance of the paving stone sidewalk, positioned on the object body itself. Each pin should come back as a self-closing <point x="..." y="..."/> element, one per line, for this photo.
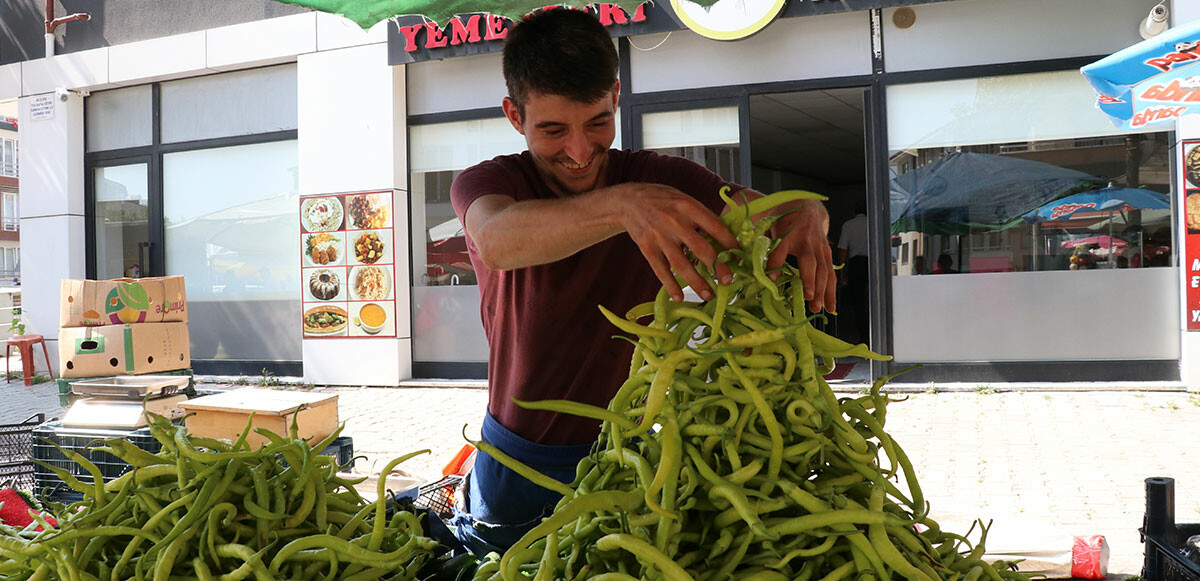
<point x="1039" y="463"/>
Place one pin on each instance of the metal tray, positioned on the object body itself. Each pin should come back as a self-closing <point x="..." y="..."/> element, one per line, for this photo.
<point x="131" y="386"/>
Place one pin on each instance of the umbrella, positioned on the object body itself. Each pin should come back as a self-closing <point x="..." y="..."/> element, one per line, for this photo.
<point x="1103" y="241"/>
<point x="1109" y="199"/>
<point x="967" y="192"/>
<point x="1150" y="82"/>
<point x="366" y="13"/>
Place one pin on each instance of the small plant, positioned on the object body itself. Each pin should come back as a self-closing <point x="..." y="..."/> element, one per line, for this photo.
<point x="241" y="380"/>
<point x="931" y="388"/>
<point x="267" y="379"/>
<point x="37" y="378"/>
<point x="984" y="389"/>
<point x="18" y="322"/>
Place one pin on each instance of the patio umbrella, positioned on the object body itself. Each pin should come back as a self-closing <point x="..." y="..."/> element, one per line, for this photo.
<point x="366" y="13"/>
<point x="1109" y="199"/>
<point x="1151" y="82"/>
<point x="1102" y="240"/>
<point x="967" y="192"/>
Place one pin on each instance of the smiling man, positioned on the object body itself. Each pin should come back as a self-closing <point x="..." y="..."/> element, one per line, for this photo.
<point x="565" y="226"/>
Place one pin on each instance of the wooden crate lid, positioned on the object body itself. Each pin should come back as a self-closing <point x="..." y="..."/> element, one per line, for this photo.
<point x="260" y="401"/>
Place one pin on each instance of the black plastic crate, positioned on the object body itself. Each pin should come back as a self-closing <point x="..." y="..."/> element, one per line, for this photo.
<point x="1164" y="540"/>
<point x="342" y="449"/>
<point x="16" y="451"/>
<point x="439" y="496"/>
<point x="81" y="441"/>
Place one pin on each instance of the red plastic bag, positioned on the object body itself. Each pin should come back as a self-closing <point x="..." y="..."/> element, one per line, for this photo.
<point x="1089" y="557"/>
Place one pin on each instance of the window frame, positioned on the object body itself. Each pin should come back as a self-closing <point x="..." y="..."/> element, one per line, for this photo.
<point x="153" y="155"/>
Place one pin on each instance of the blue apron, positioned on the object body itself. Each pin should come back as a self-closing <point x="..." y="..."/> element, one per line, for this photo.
<point x="497" y="506"/>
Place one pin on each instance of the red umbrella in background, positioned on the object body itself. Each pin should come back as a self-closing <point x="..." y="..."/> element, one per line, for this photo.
<point x="1103" y="241"/>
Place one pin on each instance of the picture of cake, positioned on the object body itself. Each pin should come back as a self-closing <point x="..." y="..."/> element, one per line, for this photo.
<point x="324" y="284"/>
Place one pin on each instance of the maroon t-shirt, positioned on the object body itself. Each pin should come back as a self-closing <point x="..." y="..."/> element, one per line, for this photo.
<point x="546" y="336"/>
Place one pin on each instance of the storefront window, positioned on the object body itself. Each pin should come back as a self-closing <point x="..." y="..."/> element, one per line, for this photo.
<point x="122" y="218"/>
<point x="446" y="323"/>
<point x="238" y="103"/>
<point x="232" y="234"/>
<point x="1021" y="183"/>
<point x="120" y="118"/>
<point x="708" y="136"/>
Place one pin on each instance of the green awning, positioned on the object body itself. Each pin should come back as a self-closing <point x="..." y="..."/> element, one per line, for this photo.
<point x="366" y="13"/>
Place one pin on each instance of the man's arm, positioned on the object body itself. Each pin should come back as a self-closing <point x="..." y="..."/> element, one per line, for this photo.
<point x="661" y="220"/>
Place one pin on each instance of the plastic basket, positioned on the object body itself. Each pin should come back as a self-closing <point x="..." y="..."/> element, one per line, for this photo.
<point x="16" y="449"/>
<point x="1165" y="559"/>
<point x="439" y="496"/>
<point x="81" y="441"/>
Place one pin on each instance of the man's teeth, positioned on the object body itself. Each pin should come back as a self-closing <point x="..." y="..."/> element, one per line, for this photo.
<point x="573" y="165"/>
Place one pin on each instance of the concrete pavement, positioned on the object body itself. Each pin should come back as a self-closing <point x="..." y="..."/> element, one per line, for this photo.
<point x="1039" y="463"/>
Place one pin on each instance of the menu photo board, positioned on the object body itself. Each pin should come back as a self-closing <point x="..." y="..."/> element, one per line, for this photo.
<point x="1191" y="234"/>
<point x="347" y="265"/>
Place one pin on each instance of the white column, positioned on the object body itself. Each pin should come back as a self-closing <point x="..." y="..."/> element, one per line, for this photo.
<point x="52" y="212"/>
<point x="1187" y="128"/>
<point x="353" y="137"/>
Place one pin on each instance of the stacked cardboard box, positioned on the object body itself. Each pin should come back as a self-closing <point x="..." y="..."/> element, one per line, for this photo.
<point x="123" y="327"/>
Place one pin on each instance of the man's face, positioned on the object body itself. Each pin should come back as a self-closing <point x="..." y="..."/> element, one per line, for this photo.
<point x="569" y="140"/>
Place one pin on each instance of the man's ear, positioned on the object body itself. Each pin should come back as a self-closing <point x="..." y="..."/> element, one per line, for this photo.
<point x="513" y="113"/>
<point x="616" y="91"/>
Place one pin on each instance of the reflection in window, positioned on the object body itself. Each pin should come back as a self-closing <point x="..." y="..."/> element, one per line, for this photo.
<point x="1062" y="204"/>
<point x="234" y="235"/>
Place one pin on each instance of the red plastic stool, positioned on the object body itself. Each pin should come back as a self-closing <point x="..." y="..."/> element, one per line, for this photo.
<point x="24" y="345"/>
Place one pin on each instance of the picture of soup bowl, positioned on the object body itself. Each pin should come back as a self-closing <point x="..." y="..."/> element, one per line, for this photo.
<point x="372" y="318"/>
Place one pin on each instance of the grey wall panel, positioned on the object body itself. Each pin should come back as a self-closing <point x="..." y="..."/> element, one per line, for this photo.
<point x="977" y="32"/>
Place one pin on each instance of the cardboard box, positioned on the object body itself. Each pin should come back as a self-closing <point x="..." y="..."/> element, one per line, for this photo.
<point x="123" y="349"/>
<point x="224" y="415"/>
<point x="92" y="303"/>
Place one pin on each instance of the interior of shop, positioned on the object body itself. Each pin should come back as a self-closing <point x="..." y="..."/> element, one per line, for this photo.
<point x="814" y="140"/>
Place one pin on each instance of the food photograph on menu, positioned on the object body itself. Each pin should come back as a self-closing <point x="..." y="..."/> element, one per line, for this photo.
<point x="348" y="265"/>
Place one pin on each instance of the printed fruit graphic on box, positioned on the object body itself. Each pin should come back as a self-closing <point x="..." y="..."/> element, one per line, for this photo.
<point x="127" y="303"/>
<point x="123" y="301"/>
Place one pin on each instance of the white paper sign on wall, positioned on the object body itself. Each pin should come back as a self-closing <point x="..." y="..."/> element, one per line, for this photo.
<point x="41" y="107"/>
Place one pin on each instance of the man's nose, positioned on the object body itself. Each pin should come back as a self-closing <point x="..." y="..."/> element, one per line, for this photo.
<point x="577" y="147"/>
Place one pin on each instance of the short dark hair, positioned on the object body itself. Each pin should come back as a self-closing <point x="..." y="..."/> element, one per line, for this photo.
<point x="559" y="51"/>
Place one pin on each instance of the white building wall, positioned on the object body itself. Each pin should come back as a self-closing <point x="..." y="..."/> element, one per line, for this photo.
<point x="353" y="128"/>
<point x="353" y="136"/>
<point x="52" y="220"/>
<point x="979" y="32"/>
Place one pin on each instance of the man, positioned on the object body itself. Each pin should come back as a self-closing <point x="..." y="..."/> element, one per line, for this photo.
<point x="563" y="227"/>
<point x="852" y="245"/>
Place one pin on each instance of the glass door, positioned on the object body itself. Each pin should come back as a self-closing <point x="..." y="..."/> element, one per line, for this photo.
<point x="121" y="221"/>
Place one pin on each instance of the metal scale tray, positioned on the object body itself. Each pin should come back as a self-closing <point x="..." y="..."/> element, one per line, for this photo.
<point x="134" y="387"/>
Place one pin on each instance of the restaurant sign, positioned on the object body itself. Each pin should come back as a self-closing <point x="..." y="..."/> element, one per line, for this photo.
<point x="414" y="38"/>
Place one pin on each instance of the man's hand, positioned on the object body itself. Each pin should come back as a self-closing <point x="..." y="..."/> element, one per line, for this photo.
<point x="665" y="223"/>
<point x="804" y="233"/>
